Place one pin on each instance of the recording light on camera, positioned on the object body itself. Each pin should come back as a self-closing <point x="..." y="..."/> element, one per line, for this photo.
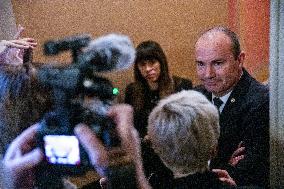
<point x="115" y="91"/>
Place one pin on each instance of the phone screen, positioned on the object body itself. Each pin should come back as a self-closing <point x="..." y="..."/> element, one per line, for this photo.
<point x="62" y="149"/>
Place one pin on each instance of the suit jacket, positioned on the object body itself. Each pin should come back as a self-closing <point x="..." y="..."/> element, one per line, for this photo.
<point x="245" y="117"/>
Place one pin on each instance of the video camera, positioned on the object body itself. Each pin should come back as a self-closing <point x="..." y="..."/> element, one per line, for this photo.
<point x="79" y="96"/>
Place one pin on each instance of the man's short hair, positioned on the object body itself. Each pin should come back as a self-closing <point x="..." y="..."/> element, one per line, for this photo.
<point x="184" y="131"/>
<point x="235" y="42"/>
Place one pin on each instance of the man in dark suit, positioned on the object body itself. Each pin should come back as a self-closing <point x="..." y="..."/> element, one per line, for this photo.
<point x="243" y="104"/>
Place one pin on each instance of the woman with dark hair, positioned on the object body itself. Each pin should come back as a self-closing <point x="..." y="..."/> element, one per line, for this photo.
<point x="152" y="83"/>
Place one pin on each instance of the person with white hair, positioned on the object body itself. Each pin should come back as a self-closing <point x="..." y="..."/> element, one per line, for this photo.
<point x="184" y="130"/>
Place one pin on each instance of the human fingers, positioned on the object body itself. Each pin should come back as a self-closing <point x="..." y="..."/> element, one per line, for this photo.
<point x="240" y="144"/>
<point x="224" y="176"/>
<point x="240" y="157"/>
<point x="93" y="146"/>
<point x="228" y="181"/>
<point x="14" y="44"/>
<point x="31" y="41"/>
<point x="238" y="151"/>
<point x="237" y="155"/>
<point x="23" y="43"/>
<point x="19" y="32"/>
<point x="17" y="44"/>
<point x="24" y="142"/>
<point x="236" y="160"/>
<point x="28" y="160"/>
<point x="220" y="172"/>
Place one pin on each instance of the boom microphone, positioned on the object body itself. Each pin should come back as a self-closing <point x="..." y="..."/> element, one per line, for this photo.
<point x="107" y="53"/>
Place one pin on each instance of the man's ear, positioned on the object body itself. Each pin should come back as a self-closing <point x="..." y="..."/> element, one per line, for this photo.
<point x="241" y="59"/>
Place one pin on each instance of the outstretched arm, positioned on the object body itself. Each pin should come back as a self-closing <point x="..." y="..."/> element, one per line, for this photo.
<point x="130" y="144"/>
<point x="11" y="51"/>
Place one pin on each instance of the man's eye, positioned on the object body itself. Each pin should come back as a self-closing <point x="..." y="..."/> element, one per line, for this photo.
<point x="218" y="63"/>
<point x="200" y="64"/>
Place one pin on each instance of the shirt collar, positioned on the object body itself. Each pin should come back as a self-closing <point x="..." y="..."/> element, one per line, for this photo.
<point x="224" y="98"/>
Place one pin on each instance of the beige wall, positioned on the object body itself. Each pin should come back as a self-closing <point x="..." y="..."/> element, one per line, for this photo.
<point x="174" y="24"/>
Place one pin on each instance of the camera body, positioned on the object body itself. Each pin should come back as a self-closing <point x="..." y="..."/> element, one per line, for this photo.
<point x="71" y="86"/>
<point x="63" y="153"/>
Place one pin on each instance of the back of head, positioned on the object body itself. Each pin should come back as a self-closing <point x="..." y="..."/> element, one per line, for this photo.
<point x="184" y="130"/>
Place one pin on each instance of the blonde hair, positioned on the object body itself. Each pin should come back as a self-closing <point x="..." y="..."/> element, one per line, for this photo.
<point x="184" y="131"/>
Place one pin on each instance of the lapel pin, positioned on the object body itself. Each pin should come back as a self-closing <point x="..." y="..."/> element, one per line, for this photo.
<point x="233" y="100"/>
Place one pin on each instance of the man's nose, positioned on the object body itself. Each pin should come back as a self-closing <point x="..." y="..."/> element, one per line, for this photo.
<point x="209" y="72"/>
